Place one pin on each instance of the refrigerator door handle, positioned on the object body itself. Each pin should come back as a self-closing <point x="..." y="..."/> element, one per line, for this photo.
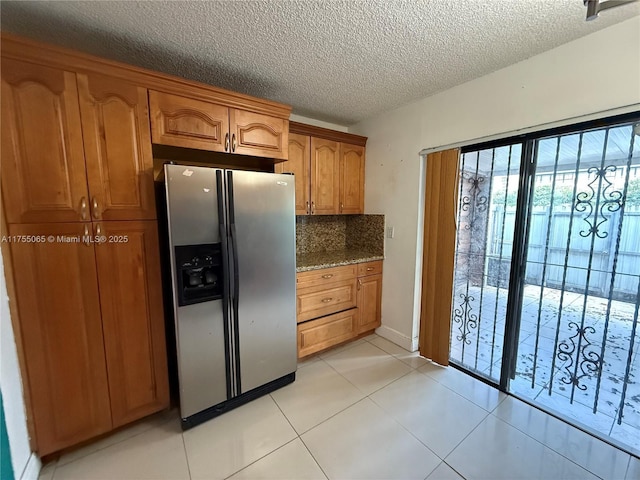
<point x="225" y="273"/>
<point x="236" y="272"/>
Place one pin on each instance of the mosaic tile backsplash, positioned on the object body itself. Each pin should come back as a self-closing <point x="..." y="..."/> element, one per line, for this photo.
<point x="329" y="233"/>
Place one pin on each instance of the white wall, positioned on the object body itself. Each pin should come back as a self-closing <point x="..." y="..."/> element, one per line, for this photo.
<point x="25" y="464"/>
<point x="597" y="73"/>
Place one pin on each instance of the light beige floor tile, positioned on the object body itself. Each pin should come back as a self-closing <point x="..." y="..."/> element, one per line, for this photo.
<point x="444" y="472"/>
<point x="496" y="450"/>
<point x="308" y="361"/>
<point x="413" y="359"/>
<point x="342" y="348"/>
<point x="157" y="453"/>
<point x="363" y="442"/>
<point x="596" y="456"/>
<point x="230" y="442"/>
<point x="633" y="472"/>
<point x="437" y="416"/>
<point x="478" y="392"/>
<point x="388" y="346"/>
<point x="129" y="432"/>
<point x="368" y="367"/>
<point x="47" y="471"/>
<point x="290" y="462"/>
<point x="370" y="337"/>
<point x="318" y="393"/>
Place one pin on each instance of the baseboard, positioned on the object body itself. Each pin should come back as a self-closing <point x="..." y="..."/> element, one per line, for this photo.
<point x="32" y="469"/>
<point x="396" y="337"/>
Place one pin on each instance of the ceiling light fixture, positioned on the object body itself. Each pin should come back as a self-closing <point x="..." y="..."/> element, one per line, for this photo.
<point x="594" y="7"/>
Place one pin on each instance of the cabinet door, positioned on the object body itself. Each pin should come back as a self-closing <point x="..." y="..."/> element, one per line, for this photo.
<point x="43" y="172"/>
<point x="325" y="176"/>
<point x="298" y="164"/>
<point x="351" y="178"/>
<point x="185" y="122"/>
<point x="117" y="141"/>
<point x="57" y="295"/>
<point x="258" y="135"/>
<point x="132" y="318"/>
<point x="369" y="302"/>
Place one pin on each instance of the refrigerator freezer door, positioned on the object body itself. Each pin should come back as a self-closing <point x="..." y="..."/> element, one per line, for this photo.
<point x="192" y="204"/>
<point x="264" y="216"/>
<point x="192" y="211"/>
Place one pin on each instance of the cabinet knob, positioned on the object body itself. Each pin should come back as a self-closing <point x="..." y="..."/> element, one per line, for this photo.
<point x="83" y="208"/>
<point x="328" y="275"/>
<point x="233" y="142"/>
<point x="369" y="269"/>
<point x="313" y="208"/>
<point x="307" y="208"/>
<point x="341" y="207"/>
<point x="85" y="239"/>
<point x="359" y="283"/>
<point x="327" y="300"/>
<point x="226" y="142"/>
<point x="95" y="208"/>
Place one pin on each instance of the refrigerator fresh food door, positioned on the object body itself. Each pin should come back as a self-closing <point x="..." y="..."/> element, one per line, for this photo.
<point x="201" y="328"/>
<point x="262" y="226"/>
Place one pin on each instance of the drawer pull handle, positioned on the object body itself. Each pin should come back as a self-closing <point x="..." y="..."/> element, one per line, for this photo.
<point x="329" y="275"/>
<point x="327" y="300"/>
<point x="369" y="269"/>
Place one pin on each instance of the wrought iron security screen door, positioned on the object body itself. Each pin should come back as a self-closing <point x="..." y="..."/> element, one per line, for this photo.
<point x="489" y="182"/>
<point x="547" y="275"/>
<point x="578" y="337"/>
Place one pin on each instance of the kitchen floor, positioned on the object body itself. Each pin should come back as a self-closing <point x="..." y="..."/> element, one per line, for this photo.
<point x="366" y="410"/>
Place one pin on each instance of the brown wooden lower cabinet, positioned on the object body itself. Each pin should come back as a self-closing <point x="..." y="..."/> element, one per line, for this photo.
<point x="92" y="327"/>
<point x="337" y="304"/>
<point x="132" y="319"/>
<point x="56" y="286"/>
<point x="369" y="303"/>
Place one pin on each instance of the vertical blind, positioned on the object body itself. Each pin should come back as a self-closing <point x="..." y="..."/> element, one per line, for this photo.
<point x="441" y="202"/>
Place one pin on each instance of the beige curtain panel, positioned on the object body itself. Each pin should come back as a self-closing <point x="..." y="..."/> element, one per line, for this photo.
<point x="440" y="210"/>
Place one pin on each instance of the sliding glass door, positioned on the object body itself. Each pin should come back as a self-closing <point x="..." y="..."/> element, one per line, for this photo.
<point x="486" y="214"/>
<point x="547" y="279"/>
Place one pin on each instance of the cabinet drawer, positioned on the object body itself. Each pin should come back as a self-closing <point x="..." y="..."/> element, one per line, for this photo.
<point x="322" y="300"/>
<point x="326" y="332"/>
<point x="370" y="268"/>
<point x="326" y="276"/>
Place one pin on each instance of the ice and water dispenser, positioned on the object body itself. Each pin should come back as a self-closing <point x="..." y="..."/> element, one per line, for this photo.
<point x="199" y="269"/>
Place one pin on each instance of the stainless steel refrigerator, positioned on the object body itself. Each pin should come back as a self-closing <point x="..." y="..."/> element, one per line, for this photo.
<point x="232" y="248"/>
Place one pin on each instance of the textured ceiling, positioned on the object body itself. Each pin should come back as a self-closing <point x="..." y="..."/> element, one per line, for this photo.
<point x="332" y="60"/>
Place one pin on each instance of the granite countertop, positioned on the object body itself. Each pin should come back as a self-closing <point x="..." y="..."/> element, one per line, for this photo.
<point x="317" y="260"/>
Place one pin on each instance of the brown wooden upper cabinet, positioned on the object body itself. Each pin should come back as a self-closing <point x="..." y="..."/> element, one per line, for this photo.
<point x="351" y="178"/>
<point x="329" y="171"/>
<point x="186" y="122"/>
<point x="43" y="169"/>
<point x="74" y="149"/>
<point x="117" y="144"/>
